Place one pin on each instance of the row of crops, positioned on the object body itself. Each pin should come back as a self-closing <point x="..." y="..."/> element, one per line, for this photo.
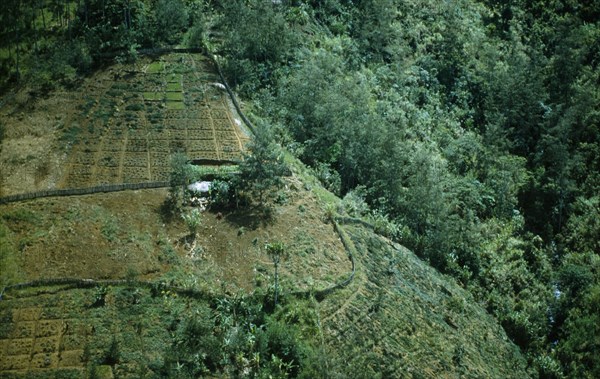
<point x="128" y="126"/>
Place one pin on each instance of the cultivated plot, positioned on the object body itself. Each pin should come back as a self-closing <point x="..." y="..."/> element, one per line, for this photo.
<point x="129" y="125"/>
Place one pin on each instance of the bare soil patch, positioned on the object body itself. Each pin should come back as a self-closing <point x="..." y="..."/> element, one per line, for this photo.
<point x="116" y="235"/>
<point x="120" y="126"/>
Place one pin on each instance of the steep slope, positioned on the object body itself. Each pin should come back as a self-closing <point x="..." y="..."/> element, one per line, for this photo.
<point x="401" y="318"/>
<point x="119" y="126"/>
<point x="397" y="318"/>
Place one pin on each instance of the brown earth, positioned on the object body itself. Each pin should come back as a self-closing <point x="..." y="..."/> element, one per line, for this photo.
<point x="120" y="126"/>
<point x="119" y="234"/>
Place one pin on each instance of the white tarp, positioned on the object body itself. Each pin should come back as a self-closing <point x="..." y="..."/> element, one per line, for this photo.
<point x="201" y="187"/>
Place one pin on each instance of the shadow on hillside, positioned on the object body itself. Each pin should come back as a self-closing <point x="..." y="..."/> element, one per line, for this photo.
<point x="250" y="217"/>
<point x="168" y="210"/>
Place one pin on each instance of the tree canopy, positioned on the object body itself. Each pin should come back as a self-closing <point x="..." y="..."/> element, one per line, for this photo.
<point x="473" y="127"/>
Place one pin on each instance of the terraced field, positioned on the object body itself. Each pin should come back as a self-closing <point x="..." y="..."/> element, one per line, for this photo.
<point x="60" y="332"/>
<point x="128" y="126"/>
<point x="400" y="318"/>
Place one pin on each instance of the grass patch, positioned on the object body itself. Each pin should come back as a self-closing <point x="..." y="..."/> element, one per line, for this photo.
<point x="174" y="87"/>
<point x="10" y="272"/>
<point x="174" y="96"/>
<point x="175" y="105"/>
<point x="71" y="133"/>
<point x="153" y="96"/>
<point x="155" y="68"/>
<point x="110" y="229"/>
<point x="214" y="172"/>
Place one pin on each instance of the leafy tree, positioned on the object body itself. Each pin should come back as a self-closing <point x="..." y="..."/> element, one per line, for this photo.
<point x="181" y="174"/>
<point x="262" y="168"/>
<point x="171" y="20"/>
<point x="276" y="251"/>
<point x="258" y="39"/>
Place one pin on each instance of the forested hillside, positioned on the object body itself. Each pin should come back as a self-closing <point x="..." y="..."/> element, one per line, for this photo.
<point x="468" y="131"/>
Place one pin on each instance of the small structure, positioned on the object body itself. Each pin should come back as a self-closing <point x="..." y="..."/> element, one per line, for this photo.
<point x="200" y="187"/>
<point x="200" y="191"/>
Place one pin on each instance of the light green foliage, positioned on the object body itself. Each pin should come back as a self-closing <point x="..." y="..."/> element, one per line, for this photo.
<point x="277" y="251"/>
<point x="193" y="220"/>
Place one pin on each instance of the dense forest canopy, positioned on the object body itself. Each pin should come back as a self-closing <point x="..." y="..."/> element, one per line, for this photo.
<point x="467" y="130"/>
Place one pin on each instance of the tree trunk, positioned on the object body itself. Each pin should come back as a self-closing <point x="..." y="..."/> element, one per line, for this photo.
<point x="18" y="42"/>
<point x="276" y="282"/>
<point x="36" y="34"/>
<point x="43" y="16"/>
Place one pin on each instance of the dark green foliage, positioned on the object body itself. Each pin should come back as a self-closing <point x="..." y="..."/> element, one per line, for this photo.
<point x="181" y="177"/>
<point x="171" y="20"/>
<point x="261" y="170"/>
<point x="196" y="349"/>
<point x="224" y="193"/>
<point x="99" y="299"/>
<point x="258" y="39"/>
<point x="473" y="128"/>
<point x="281" y="341"/>
<point x="55" y="43"/>
<point x="237" y="338"/>
<point x="113" y="353"/>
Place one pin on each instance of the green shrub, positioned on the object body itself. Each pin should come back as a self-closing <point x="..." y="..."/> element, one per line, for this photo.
<point x="112" y="355"/>
<point x="192" y="220"/>
<point x="134" y="107"/>
<point x="281" y="341"/>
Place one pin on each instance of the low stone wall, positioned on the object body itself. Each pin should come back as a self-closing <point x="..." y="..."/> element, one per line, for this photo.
<point x="82" y="191"/>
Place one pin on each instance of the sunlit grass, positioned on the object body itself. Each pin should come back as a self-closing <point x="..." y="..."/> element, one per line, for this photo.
<point x="153" y="96"/>
<point x="174" y="96"/>
<point x="175" y="105"/>
<point x="155" y="68"/>
<point x="174" y="86"/>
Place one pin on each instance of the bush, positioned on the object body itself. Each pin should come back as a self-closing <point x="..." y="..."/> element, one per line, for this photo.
<point x="384" y="226"/>
<point x="355" y="204"/>
<point x="221" y="194"/>
<point x="113" y="354"/>
<point x="281" y="341"/>
<point x="329" y="177"/>
<point x="192" y="220"/>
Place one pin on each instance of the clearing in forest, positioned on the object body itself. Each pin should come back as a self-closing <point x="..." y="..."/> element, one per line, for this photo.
<point x="120" y="126"/>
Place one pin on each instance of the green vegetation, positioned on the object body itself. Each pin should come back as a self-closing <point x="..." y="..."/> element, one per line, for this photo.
<point x="262" y="168"/>
<point x="11" y="272"/>
<point x="276" y="251"/>
<point x="153" y="96"/>
<point x="193" y="220"/>
<point x="467" y="131"/>
<point x="157" y="334"/>
<point x="174" y="96"/>
<point x="175" y="105"/>
<point x="155" y="68"/>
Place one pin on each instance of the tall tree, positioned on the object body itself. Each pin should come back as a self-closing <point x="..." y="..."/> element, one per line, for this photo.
<point x="262" y="167"/>
<point x="276" y="251"/>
